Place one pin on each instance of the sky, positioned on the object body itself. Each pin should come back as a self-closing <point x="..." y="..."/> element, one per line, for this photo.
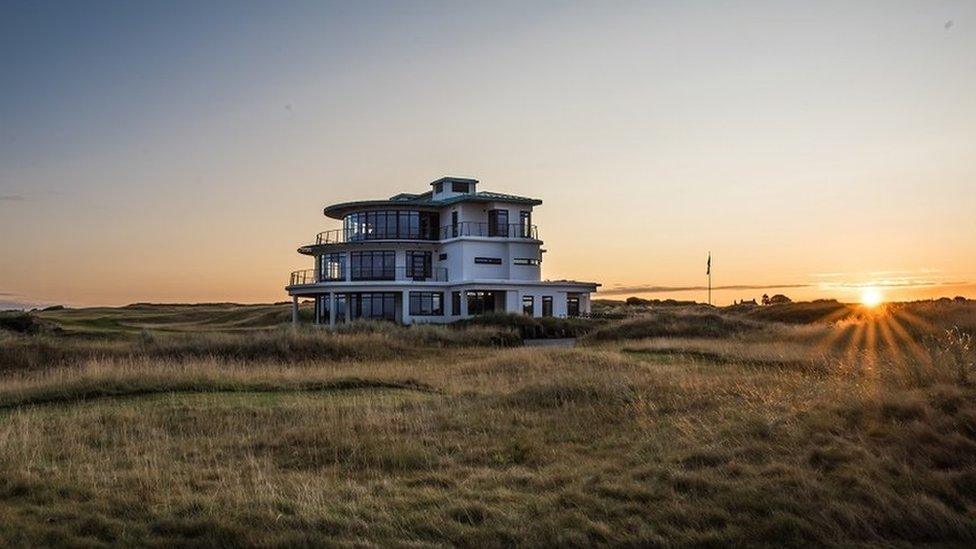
<point x="182" y="151"/>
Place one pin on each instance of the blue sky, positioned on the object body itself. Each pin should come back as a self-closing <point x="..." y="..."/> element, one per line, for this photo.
<point x="181" y="151"/>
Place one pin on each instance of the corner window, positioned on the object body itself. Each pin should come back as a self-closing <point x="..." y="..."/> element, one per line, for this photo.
<point x="438" y="187"/>
<point x="528" y="305"/>
<point x="547" y="305"/>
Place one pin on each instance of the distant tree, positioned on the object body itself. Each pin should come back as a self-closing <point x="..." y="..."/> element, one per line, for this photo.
<point x="959" y="299"/>
<point x="778" y="299"/>
<point x="765" y="299"/>
<point x="636" y="301"/>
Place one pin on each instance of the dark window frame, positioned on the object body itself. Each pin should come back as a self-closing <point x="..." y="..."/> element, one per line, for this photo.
<point x="459" y="187"/>
<point x="426" y="303"/>
<point x="498" y="222"/>
<point x="372" y="265"/>
<point x="488" y="260"/>
<point x="332" y="266"/>
<point x="547" y="305"/>
<point x="480" y="301"/>
<point x="528" y="305"/>
<point x="572" y="305"/>
<point x="420" y="264"/>
<point x="526" y="261"/>
<point x="525" y="223"/>
<point x="456" y="303"/>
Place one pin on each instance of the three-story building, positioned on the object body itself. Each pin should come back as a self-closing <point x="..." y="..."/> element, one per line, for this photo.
<point x="449" y="253"/>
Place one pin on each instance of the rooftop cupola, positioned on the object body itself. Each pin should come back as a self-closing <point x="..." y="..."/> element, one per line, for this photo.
<point x="447" y="187"/>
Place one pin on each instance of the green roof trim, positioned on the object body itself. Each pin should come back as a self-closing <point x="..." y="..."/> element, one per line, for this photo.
<point x="337" y="211"/>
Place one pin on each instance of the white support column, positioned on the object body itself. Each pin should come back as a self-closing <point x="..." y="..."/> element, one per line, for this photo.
<point x="405" y="308"/>
<point x="294" y="310"/>
<point x="585" y="305"/>
<point x="332" y="311"/>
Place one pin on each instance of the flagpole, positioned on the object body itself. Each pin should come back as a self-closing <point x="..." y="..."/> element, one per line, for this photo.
<point x="709" y="273"/>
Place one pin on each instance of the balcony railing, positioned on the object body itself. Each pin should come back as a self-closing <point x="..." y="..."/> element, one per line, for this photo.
<point x="464" y="228"/>
<point x="399" y="274"/>
<point x="493" y="230"/>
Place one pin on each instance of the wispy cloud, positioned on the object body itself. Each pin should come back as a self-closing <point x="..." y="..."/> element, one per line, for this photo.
<point x="650" y="289"/>
<point x="895" y="283"/>
<point x="12" y="198"/>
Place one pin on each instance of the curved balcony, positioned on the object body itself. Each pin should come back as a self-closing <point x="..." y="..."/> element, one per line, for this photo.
<point x="392" y="274"/>
<point x="465" y="228"/>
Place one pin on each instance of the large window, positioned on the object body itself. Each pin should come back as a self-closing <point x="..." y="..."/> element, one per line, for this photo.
<point x="456" y="303"/>
<point x="481" y="302"/>
<point x="426" y="303"/>
<point x="572" y="305"/>
<point x="459" y="187"/>
<point x="454" y="223"/>
<point x="374" y="265"/>
<point x="391" y="224"/>
<point x="372" y="305"/>
<point x="528" y="305"/>
<point x="525" y="224"/>
<point x="418" y="265"/>
<point x="332" y="266"/>
<point x="497" y="222"/>
<point x="547" y="305"/>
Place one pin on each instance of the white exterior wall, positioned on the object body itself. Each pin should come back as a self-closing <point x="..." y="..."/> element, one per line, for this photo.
<point x="463" y="274"/>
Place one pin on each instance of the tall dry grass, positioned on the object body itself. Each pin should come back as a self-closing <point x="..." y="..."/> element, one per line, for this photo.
<point x="648" y="442"/>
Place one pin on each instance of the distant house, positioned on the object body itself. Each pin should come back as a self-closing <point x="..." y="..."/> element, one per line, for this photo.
<point x="446" y="254"/>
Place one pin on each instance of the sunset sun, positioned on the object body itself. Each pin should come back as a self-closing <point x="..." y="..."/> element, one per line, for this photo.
<point x="871" y="297"/>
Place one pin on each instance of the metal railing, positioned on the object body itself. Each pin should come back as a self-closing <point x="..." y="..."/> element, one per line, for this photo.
<point x="464" y="228"/>
<point x="433" y="274"/>
<point x="492" y="230"/>
<point x="306" y="276"/>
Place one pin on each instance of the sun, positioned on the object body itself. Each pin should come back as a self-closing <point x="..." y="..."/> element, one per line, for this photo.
<point x="871" y="297"/>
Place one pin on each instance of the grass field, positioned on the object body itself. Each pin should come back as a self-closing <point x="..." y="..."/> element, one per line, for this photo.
<point x="674" y="426"/>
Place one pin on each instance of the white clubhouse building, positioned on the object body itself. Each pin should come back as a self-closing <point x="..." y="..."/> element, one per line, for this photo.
<point x="449" y="253"/>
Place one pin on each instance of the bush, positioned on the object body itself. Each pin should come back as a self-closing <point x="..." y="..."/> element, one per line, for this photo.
<point x="528" y="327"/>
<point x="666" y="323"/>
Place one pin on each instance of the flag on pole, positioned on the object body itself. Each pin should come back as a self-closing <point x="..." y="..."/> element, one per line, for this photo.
<point x="708" y="265"/>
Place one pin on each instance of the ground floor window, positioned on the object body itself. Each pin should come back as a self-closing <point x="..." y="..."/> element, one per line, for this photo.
<point x="481" y="302"/>
<point x="322" y="312"/>
<point x="572" y="305"/>
<point x="456" y="303"/>
<point x="528" y="305"/>
<point x="372" y="305"/>
<point x="547" y="305"/>
<point x="426" y="303"/>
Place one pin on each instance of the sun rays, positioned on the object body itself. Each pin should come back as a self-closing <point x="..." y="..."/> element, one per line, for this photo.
<point x="876" y="332"/>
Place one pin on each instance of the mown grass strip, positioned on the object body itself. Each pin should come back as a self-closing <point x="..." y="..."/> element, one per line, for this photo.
<point x="88" y="390"/>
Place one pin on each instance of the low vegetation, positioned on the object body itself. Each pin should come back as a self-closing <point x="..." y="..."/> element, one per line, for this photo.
<point x="685" y="426"/>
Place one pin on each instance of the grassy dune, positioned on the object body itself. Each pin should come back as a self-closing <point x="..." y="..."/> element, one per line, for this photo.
<point x="651" y="435"/>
